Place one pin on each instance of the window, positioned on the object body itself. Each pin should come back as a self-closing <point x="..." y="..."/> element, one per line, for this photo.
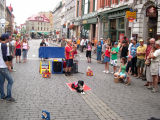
<point x="38" y="28"/>
<point x="32" y="28"/>
<point x="121" y="23"/>
<point x="86" y="7"/>
<point x="77" y="8"/>
<point x="94" y="5"/>
<point x="83" y="6"/>
<point x="41" y="28"/>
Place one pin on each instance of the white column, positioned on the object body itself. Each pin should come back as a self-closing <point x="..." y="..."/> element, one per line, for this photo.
<point x="158" y="23"/>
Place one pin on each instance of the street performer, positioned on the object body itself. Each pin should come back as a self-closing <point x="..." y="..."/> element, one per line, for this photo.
<point x="69" y="53"/>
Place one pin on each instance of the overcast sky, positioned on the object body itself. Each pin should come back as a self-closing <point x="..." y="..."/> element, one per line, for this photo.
<point x="22" y="9"/>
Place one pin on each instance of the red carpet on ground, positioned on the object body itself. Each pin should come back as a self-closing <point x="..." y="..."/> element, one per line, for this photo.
<point x="86" y="88"/>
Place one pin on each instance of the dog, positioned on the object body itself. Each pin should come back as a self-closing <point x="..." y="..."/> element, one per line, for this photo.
<point x="78" y="86"/>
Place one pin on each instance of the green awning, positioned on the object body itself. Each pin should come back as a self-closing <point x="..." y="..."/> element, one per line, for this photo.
<point x="46" y="33"/>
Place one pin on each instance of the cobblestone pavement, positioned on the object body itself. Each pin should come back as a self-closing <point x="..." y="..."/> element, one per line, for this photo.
<point x="106" y="100"/>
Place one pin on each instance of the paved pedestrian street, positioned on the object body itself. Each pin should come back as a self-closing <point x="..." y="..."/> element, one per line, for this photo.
<point x="105" y="101"/>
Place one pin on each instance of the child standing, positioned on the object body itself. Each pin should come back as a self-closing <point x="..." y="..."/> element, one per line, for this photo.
<point x="107" y="59"/>
<point x="114" y="57"/>
<point x="128" y="70"/>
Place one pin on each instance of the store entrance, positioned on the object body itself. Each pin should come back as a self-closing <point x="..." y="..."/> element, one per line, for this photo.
<point x="152" y="15"/>
<point x="152" y="27"/>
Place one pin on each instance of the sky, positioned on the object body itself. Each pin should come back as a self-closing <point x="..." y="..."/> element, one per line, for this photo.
<point x="22" y="9"/>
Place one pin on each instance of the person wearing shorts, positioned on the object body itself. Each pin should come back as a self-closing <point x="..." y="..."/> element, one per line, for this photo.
<point x="18" y="50"/>
<point x="69" y="52"/>
<point x="141" y="51"/>
<point x="107" y="59"/>
<point x="114" y="57"/>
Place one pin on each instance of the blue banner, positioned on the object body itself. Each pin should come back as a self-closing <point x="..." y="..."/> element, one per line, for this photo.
<point x="51" y="52"/>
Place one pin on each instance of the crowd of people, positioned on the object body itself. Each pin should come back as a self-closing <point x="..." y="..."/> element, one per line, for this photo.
<point x="137" y="59"/>
<point x="10" y="47"/>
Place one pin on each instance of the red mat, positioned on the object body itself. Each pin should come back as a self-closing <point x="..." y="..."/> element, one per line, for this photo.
<point x="86" y="88"/>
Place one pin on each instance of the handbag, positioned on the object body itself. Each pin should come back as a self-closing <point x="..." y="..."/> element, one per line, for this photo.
<point x="148" y="62"/>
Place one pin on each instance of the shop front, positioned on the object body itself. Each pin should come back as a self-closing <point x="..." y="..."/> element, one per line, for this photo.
<point x="89" y="29"/>
<point x="115" y="25"/>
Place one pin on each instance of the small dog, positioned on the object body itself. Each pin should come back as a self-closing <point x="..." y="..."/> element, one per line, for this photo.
<point x="78" y="86"/>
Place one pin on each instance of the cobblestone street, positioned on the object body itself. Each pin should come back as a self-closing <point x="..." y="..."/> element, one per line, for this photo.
<point x="105" y="101"/>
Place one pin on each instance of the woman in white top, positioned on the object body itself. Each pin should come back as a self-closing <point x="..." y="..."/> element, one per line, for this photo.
<point x="25" y="48"/>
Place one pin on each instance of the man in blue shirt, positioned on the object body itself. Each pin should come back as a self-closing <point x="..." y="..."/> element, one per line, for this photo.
<point x="5" y="71"/>
<point x="134" y="57"/>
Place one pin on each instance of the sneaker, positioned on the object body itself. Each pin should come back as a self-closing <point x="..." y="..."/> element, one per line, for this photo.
<point x="154" y="90"/>
<point x="13" y="70"/>
<point x="107" y="72"/>
<point x="112" y="72"/>
<point x="10" y="99"/>
<point x="104" y="71"/>
<point x="83" y="93"/>
<point x="149" y="87"/>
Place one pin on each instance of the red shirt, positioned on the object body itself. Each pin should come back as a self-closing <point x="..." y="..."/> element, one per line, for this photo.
<point x="148" y="50"/>
<point x="69" y="55"/>
<point x="18" y="45"/>
<point x="107" y="53"/>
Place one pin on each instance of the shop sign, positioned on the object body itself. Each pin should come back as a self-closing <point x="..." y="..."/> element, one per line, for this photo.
<point x="130" y="15"/>
<point x="84" y="21"/>
<point x="151" y="12"/>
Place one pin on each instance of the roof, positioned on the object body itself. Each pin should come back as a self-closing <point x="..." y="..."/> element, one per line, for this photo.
<point x="39" y="18"/>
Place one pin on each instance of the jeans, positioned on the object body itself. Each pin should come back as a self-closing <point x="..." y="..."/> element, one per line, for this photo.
<point x="134" y="67"/>
<point x="99" y="55"/>
<point x="5" y="74"/>
<point x="25" y="53"/>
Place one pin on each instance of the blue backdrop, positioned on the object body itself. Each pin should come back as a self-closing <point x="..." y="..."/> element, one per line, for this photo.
<point x="51" y="52"/>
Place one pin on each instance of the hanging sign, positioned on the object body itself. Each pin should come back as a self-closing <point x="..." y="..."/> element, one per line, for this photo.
<point x="131" y="15"/>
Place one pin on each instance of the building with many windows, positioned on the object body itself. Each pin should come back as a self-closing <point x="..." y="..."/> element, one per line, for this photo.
<point x="107" y="19"/>
<point x="38" y="25"/>
<point x="58" y="16"/>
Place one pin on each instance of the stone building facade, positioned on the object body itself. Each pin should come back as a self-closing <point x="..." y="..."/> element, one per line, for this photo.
<point x="9" y="20"/>
<point x="147" y="24"/>
<point x="2" y="14"/>
<point x="70" y="15"/>
<point x="57" y="20"/>
<point x="38" y="25"/>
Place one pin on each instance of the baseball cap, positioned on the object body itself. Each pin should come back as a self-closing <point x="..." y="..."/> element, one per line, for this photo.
<point x="129" y="56"/>
<point x="115" y="43"/>
<point x="141" y="40"/>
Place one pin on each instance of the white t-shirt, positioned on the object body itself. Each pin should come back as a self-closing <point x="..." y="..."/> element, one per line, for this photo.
<point x="8" y="52"/>
<point x="25" y="46"/>
<point x="2" y="63"/>
<point x="157" y="55"/>
<point x="47" y="44"/>
<point x="129" y="48"/>
<point x="82" y="42"/>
